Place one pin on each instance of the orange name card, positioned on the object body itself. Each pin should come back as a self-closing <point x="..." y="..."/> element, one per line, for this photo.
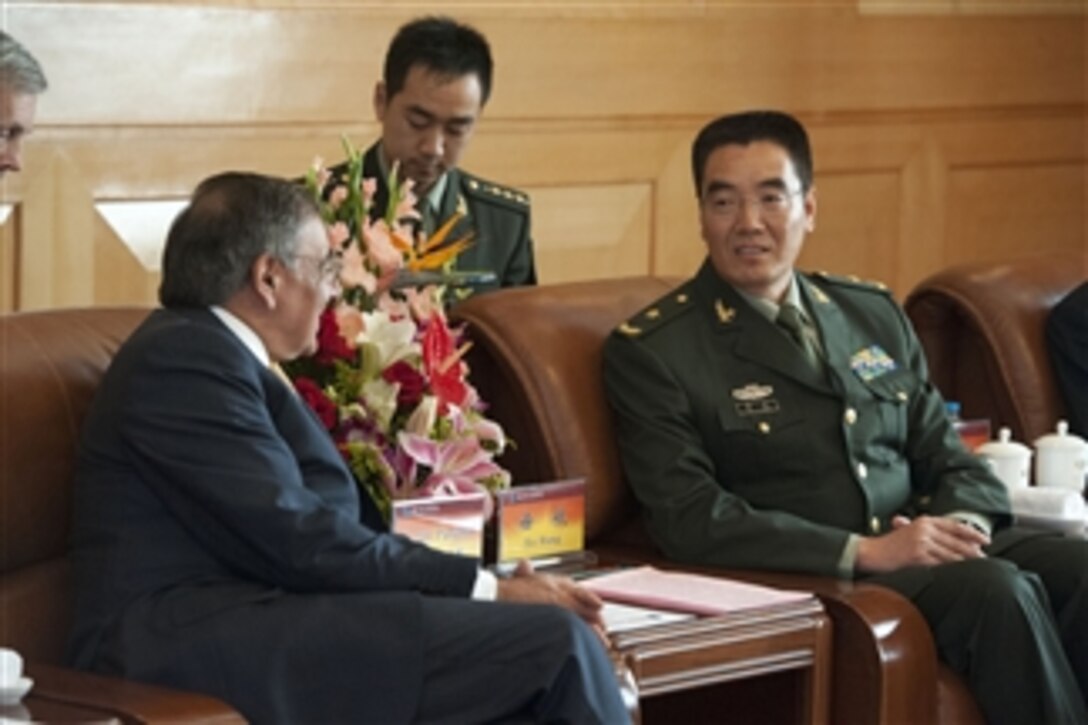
<point x="542" y="520"/>
<point x="454" y="524"/>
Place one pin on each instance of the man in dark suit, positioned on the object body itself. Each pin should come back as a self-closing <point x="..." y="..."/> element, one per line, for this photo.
<point x="770" y="419"/>
<point x="436" y="81"/>
<point x="217" y="536"/>
<point x="1067" y="339"/>
<point x="21" y="82"/>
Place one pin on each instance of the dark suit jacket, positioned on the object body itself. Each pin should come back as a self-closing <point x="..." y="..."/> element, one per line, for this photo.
<point x="744" y="457"/>
<point x="497" y="216"/>
<point x="1067" y="338"/>
<point x="217" y="542"/>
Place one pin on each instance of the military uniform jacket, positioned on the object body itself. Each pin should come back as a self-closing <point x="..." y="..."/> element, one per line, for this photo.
<point x="496" y="216"/>
<point x="742" y="456"/>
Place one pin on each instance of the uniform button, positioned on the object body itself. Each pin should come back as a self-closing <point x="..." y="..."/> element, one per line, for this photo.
<point x="764" y="427"/>
<point x="850" y="416"/>
<point x="863" y="471"/>
<point x="874" y="525"/>
<point x="902" y="396"/>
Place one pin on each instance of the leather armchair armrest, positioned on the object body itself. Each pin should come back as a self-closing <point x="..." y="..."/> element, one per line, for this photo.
<point x="887" y="668"/>
<point x="124" y="700"/>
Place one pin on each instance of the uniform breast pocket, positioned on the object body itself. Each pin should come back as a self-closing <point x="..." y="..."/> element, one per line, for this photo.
<point x="889" y="403"/>
<point x="755" y="441"/>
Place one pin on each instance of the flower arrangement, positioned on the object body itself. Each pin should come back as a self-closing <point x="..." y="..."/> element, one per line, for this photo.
<point x="388" y="380"/>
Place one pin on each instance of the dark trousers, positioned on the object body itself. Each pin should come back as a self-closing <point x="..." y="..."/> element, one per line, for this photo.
<point x="333" y="659"/>
<point x="1015" y="625"/>
<point x="514" y="662"/>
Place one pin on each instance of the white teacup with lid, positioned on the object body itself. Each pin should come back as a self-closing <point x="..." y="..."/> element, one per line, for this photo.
<point x="1010" y="461"/>
<point x="13" y="685"/>
<point x="1061" y="459"/>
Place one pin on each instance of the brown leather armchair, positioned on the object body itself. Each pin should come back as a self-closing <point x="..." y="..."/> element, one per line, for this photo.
<point x="50" y="363"/>
<point x="537" y="361"/>
<point x="982" y="326"/>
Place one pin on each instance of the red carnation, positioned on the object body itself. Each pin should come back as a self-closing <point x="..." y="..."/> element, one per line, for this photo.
<point x="331" y="345"/>
<point x="412" y="383"/>
<point x="315" y="397"/>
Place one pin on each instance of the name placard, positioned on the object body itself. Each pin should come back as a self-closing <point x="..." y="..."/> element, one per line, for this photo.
<point x="541" y="520"/>
<point x="454" y="524"/>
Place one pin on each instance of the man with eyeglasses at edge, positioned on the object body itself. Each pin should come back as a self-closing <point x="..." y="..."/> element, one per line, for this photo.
<point x="772" y="419"/>
<point x="435" y="82"/>
<point x="21" y="82"/>
<point x="220" y="544"/>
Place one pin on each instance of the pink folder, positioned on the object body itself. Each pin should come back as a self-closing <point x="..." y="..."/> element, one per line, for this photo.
<point x="677" y="591"/>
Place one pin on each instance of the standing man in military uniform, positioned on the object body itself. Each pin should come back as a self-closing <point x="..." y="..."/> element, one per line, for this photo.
<point x="770" y="419"/>
<point x="436" y="80"/>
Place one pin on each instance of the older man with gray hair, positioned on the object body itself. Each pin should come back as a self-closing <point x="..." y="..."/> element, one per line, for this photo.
<point x="21" y="81"/>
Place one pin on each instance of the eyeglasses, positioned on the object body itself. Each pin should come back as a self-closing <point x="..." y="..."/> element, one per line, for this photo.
<point x="772" y="203"/>
<point x="328" y="266"/>
<point x="11" y="135"/>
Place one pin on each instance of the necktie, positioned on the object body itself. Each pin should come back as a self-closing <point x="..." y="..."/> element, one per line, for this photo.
<point x="790" y="319"/>
<point x="280" y="373"/>
<point x="426" y="222"/>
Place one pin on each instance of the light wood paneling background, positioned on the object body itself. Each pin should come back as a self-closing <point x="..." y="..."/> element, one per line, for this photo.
<point x="944" y="131"/>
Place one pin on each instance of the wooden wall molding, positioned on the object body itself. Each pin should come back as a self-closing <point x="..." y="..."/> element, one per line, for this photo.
<point x="938" y="138"/>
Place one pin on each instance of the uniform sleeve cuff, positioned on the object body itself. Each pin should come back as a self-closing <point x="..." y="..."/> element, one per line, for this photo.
<point x="849" y="557"/>
<point x="977" y="521"/>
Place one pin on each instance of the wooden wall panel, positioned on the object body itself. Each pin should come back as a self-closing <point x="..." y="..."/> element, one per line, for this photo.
<point x="317" y="64"/>
<point x="860" y="232"/>
<point x="943" y="132"/>
<point x="1013" y="211"/>
<point x="118" y="276"/>
<point x="56" y="258"/>
<point x="581" y="242"/>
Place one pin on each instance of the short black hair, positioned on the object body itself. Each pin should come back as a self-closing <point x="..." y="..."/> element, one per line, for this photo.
<point x="441" y="45"/>
<point x="233" y="218"/>
<point x="744" y="128"/>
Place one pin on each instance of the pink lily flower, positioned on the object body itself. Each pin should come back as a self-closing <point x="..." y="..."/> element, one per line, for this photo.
<point x="479" y="428"/>
<point x="456" y="465"/>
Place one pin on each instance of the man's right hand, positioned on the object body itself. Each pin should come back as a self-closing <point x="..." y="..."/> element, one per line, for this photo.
<point x="924" y="541"/>
<point x="528" y="586"/>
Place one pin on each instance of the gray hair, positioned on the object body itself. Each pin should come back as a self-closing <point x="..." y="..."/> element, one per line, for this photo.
<point x="18" y="68"/>
<point x="233" y="218"/>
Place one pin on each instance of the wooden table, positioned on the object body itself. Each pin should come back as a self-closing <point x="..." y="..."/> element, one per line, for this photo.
<point x="40" y="710"/>
<point x="762" y="666"/>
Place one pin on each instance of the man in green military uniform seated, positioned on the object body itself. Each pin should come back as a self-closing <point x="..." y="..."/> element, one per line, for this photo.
<point x="770" y="419"/>
<point x="436" y="80"/>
